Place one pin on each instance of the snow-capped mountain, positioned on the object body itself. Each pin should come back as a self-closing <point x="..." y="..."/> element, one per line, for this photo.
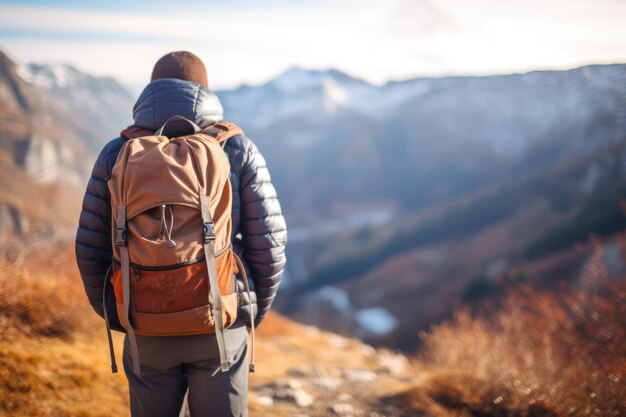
<point x="421" y="140"/>
<point x="100" y="106"/>
<point x="294" y="93"/>
<point x="302" y="91"/>
<point x="534" y="102"/>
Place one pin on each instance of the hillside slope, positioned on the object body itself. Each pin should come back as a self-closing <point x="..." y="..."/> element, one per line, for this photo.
<point x="540" y="355"/>
<point x="413" y="271"/>
<point x="53" y="120"/>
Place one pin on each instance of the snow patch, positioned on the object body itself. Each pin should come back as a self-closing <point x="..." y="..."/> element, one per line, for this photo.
<point x="48" y="77"/>
<point x="334" y="95"/>
<point x="376" y="320"/>
<point x="336" y="297"/>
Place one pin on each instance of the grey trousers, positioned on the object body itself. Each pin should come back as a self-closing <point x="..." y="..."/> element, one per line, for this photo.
<point x="172" y="364"/>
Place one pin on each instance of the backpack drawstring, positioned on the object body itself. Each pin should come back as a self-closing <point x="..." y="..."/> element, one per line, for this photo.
<point x="167" y="236"/>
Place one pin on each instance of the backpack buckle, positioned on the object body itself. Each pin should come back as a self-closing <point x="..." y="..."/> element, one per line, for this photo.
<point x="209" y="232"/>
<point x="120" y="236"/>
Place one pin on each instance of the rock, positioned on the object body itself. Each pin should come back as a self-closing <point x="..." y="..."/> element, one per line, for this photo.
<point x="359" y="375"/>
<point x="47" y="160"/>
<point x="394" y="363"/>
<point x="12" y="222"/>
<point x="288" y="390"/>
<point x="265" y="401"/>
<point x="326" y="382"/>
<point x="311" y="330"/>
<point x="343" y="409"/>
<point x="337" y="341"/>
<point x="368" y="351"/>
<point x="345" y="397"/>
<point x="302" y="398"/>
<point x="303" y="371"/>
<point x="316" y="376"/>
<point x="286" y="383"/>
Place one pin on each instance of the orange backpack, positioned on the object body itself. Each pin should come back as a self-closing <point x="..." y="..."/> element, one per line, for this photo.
<point x="173" y="264"/>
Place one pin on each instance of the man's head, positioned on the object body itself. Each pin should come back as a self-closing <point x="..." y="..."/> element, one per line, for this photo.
<point x="182" y="65"/>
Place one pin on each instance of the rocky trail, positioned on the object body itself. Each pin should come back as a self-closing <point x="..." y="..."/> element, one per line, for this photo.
<point x="315" y="393"/>
<point x="307" y="372"/>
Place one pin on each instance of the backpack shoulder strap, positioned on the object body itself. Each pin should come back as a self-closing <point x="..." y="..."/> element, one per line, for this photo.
<point x="134" y="131"/>
<point x="222" y="131"/>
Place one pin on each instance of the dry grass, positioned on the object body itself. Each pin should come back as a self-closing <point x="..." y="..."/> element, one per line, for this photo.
<point x="541" y="354"/>
<point x="285" y="345"/>
<point x="53" y="356"/>
<point x="37" y="302"/>
<point x="55" y="377"/>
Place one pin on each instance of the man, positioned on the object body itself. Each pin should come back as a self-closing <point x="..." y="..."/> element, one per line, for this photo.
<point x="170" y="365"/>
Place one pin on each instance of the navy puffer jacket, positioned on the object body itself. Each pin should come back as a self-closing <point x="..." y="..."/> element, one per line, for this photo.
<point x="259" y="229"/>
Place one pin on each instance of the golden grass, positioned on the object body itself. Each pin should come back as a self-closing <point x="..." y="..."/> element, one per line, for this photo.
<point x="284" y="345"/>
<point x="53" y="353"/>
<point x="542" y="354"/>
<point x="42" y="297"/>
<point x="47" y="377"/>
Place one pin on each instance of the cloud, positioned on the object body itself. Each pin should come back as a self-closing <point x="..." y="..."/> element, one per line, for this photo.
<point x="370" y="39"/>
<point x="420" y="17"/>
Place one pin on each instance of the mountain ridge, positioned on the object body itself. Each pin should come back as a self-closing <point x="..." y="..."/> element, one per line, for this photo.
<point x="331" y="70"/>
<point x="491" y="124"/>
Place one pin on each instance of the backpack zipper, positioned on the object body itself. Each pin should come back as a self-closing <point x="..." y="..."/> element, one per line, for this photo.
<point x="138" y="267"/>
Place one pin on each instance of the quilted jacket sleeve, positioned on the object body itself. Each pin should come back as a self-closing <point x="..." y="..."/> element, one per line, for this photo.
<point x="263" y="229"/>
<point x="93" y="238"/>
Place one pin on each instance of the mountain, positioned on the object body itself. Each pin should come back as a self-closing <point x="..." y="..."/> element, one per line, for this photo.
<point x="53" y="120"/>
<point x="406" y="199"/>
<point x="97" y="107"/>
<point x="464" y="132"/>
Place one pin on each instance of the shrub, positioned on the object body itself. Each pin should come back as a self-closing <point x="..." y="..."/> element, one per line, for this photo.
<point x="541" y="354"/>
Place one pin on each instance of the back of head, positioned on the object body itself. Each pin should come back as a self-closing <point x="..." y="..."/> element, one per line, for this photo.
<point x="181" y="65"/>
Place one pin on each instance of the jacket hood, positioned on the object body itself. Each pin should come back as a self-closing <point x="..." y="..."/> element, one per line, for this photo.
<point x="167" y="97"/>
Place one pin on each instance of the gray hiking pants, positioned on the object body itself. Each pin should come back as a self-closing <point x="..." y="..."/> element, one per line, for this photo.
<point x="172" y="364"/>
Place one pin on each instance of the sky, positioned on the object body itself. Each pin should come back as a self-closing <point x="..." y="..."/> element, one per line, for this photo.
<point x="250" y="42"/>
